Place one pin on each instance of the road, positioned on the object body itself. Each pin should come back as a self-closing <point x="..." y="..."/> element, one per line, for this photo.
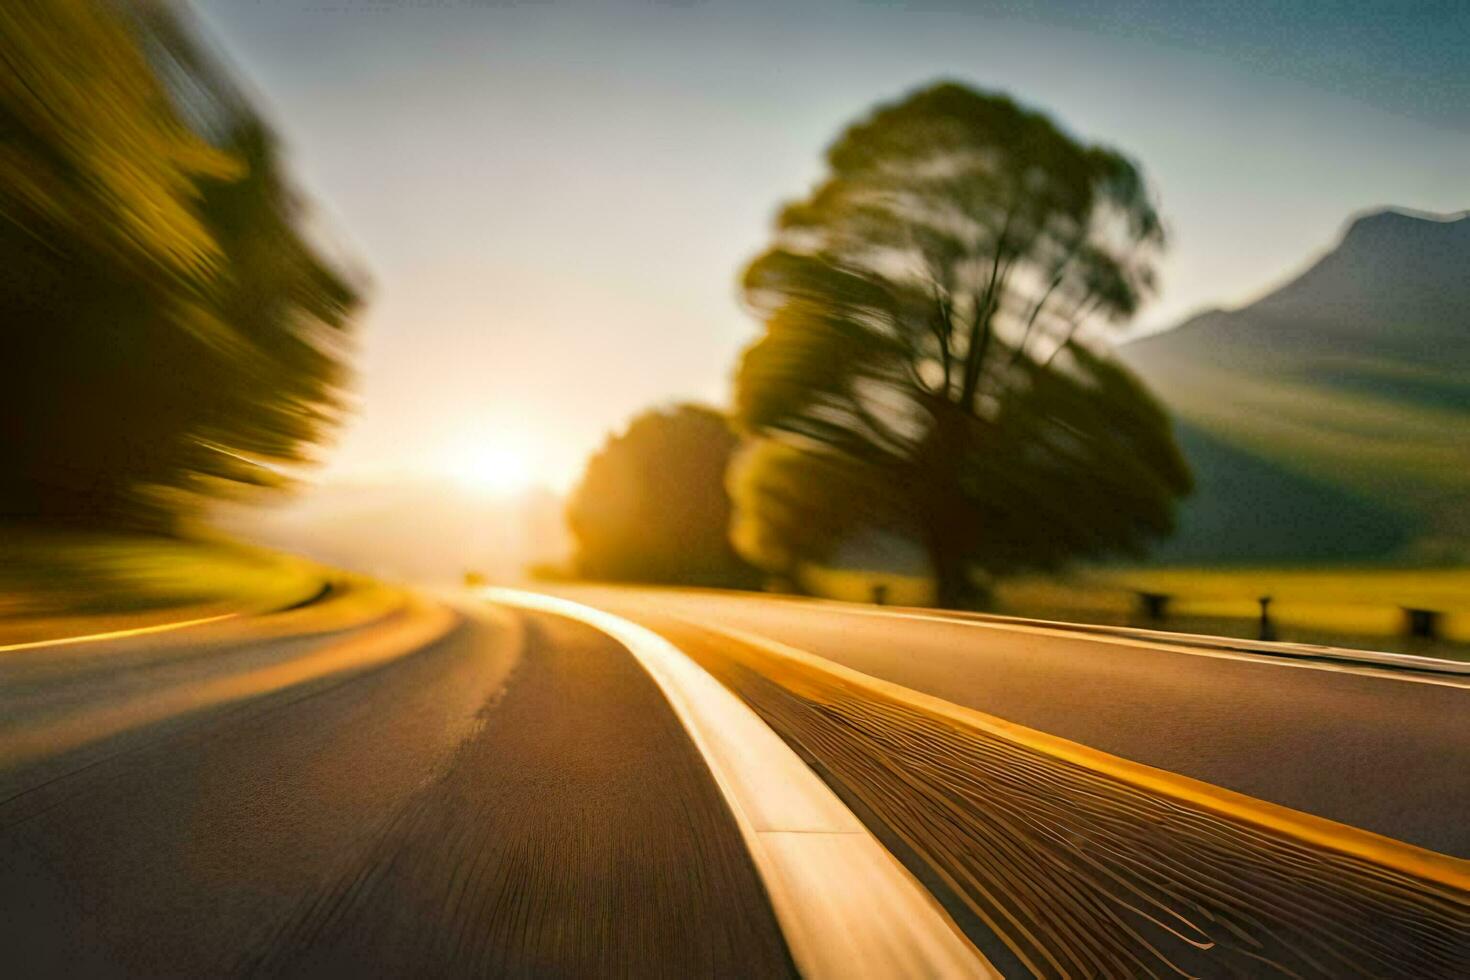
<point x="513" y="797"/>
<point x="1383" y="751"/>
<point x="500" y="791"/>
<point x="1077" y="873"/>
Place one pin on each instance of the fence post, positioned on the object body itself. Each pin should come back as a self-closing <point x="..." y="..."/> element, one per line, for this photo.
<point x="1421" y="624"/>
<point x="1267" y="628"/>
<point x="1153" y="606"/>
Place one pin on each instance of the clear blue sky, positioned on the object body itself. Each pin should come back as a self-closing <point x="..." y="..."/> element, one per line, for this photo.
<point x="553" y="200"/>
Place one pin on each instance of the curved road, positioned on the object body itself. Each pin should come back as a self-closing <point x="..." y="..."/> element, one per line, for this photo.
<point x="1381" y="750"/>
<point x="512" y="798"/>
<point x="499" y="792"/>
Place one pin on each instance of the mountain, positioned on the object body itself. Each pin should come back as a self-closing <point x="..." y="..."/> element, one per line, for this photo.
<point x="1330" y="419"/>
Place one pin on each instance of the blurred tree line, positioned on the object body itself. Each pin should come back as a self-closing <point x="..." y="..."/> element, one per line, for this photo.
<point x="169" y="333"/>
<point x="652" y="505"/>
<point x="933" y="364"/>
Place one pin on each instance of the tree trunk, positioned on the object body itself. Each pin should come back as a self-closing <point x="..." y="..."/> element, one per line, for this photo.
<point x="953" y="588"/>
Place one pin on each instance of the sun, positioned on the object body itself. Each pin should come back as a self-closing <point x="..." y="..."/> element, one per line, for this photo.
<point x="497" y="470"/>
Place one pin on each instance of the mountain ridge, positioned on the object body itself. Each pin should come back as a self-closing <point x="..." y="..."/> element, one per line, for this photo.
<point x="1351" y="380"/>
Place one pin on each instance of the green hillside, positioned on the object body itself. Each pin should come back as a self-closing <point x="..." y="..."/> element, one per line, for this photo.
<point x="1250" y="508"/>
<point x="1330" y="420"/>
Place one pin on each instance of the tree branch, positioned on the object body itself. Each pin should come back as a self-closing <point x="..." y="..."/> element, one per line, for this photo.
<point x="1083" y="309"/>
<point x="1056" y="281"/>
<point x="979" y="343"/>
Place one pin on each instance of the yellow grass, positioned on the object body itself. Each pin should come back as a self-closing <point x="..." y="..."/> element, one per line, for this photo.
<point x="1366" y="602"/>
<point x="856" y="585"/>
<point x="1323" y="605"/>
<point x="55" y="573"/>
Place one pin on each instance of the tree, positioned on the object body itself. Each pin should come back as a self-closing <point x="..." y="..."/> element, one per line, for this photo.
<point x="652" y="505"/>
<point x="168" y="331"/>
<point x="930" y="363"/>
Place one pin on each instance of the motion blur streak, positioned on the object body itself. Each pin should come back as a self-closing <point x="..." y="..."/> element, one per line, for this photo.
<point x="115" y="634"/>
<point x="1082" y="873"/>
<point x="53" y="707"/>
<point x="173" y="334"/>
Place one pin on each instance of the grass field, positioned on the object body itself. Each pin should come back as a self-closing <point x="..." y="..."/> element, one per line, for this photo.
<point x="1346" y="606"/>
<point x="53" y="574"/>
<point x="1354" y="607"/>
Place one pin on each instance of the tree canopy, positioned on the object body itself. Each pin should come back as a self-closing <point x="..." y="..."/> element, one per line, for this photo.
<point x="931" y="363"/>
<point x="652" y="504"/>
<point x="169" y="331"/>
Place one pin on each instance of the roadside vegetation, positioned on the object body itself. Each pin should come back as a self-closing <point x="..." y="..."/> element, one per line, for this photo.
<point x="171" y="334"/>
<point x="932" y="414"/>
<point x="57" y="583"/>
<point x="652" y="505"/>
<point x="1361" y="607"/>
<point x="934" y="360"/>
<point x="1352" y="606"/>
<point x="932" y="373"/>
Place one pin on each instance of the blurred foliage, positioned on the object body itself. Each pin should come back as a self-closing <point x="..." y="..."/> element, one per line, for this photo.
<point x="47" y="573"/>
<point x="652" y="505"/>
<point x="168" y="331"/>
<point x="931" y="364"/>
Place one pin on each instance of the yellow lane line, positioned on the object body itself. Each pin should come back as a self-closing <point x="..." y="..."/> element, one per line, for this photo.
<point x="117" y="634"/>
<point x="372" y="645"/>
<point x="1431" y="866"/>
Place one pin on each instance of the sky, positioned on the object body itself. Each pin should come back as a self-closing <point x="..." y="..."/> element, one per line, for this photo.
<point x="552" y="202"/>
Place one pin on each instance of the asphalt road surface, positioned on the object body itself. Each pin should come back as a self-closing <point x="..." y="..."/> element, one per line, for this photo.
<point x="1385" y="751"/>
<point x="509" y="793"/>
<point x="513" y="799"/>
<point x="1057" y="869"/>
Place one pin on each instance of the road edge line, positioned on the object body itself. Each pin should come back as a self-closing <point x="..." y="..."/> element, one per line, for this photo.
<point x="66" y="641"/>
<point x="319" y="594"/>
<point x="367" y="646"/>
<point x="1384" y="852"/>
<point x="1377" y="662"/>
<point x="845" y="905"/>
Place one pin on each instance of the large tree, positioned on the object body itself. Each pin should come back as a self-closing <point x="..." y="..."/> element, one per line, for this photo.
<point x="931" y="362"/>
<point x="167" y="329"/>
<point x="652" y="504"/>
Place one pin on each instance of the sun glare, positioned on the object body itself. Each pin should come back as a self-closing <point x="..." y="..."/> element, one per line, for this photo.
<point x="495" y="469"/>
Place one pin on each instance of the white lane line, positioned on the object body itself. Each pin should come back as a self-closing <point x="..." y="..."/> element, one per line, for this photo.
<point x="1237" y="645"/>
<point x="845" y="905"/>
<point x="1345" y="662"/>
<point x="117" y="634"/>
